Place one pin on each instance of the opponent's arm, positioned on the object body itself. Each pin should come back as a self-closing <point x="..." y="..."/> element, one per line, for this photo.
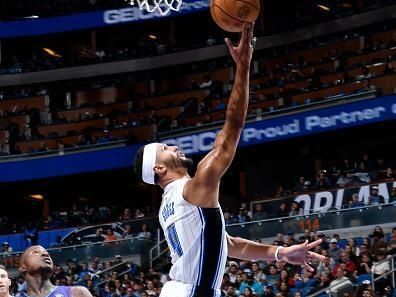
<point x="249" y="250"/>
<point x="217" y="161"/>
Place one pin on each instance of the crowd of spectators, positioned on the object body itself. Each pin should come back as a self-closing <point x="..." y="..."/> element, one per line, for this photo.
<point x="344" y="173"/>
<point x="75" y="216"/>
<point x="348" y="261"/>
<point x="279" y="76"/>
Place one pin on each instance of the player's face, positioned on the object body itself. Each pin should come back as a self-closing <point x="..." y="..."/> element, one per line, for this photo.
<point x="172" y="156"/>
<point x="37" y="258"/>
<point x="5" y="282"/>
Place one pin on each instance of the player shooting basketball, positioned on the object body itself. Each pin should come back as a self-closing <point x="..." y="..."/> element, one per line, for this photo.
<point x="190" y="214"/>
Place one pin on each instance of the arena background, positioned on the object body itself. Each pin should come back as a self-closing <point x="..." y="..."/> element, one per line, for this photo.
<point x="84" y="83"/>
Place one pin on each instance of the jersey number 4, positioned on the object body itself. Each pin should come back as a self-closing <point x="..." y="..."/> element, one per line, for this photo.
<point x="174" y="240"/>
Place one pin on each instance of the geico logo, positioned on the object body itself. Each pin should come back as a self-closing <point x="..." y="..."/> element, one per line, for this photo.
<point x="194" y="143"/>
<point x="120" y="15"/>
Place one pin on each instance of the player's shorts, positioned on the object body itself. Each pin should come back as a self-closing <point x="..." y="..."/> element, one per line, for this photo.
<point x="179" y="289"/>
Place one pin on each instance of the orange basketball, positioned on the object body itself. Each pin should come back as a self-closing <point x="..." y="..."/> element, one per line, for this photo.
<point x="230" y="15"/>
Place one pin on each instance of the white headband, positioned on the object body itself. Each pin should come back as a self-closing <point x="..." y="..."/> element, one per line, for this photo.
<point x="149" y="157"/>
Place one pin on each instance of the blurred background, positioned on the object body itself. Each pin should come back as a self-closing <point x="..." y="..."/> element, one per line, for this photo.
<point x="85" y="83"/>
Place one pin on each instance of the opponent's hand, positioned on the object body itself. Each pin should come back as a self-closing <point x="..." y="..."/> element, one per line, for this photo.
<point x="242" y="54"/>
<point x="300" y="255"/>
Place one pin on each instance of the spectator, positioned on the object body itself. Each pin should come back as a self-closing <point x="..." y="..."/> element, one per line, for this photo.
<point x="389" y="69"/>
<point x="144" y="233"/>
<point x="250" y="283"/>
<point x="8" y="259"/>
<point x="110" y="236"/>
<point x="392" y="195"/>
<point x="388" y="175"/>
<point x="98" y="236"/>
<point x="365" y="264"/>
<point x="259" y="213"/>
<point x="207" y="82"/>
<point x="324" y="282"/>
<point x="340" y="281"/>
<point x="301" y="186"/>
<point x="128" y="232"/>
<point x="233" y="272"/>
<point x="269" y="291"/>
<point x="5" y="282"/>
<point x="392" y="242"/>
<point x="295" y="209"/>
<point x="355" y="249"/>
<point x="30" y="235"/>
<point x="139" y="214"/>
<point x="230" y="292"/>
<point x="334" y="250"/>
<point x="126" y="215"/>
<point x="346" y="264"/>
<point x="375" y="198"/>
<point x="322" y="181"/>
<point x="326" y="266"/>
<point x="355" y="201"/>
<point x="242" y="216"/>
<point x="282" y="210"/>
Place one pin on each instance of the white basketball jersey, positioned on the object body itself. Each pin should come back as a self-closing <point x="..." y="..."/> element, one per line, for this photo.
<point x="197" y="240"/>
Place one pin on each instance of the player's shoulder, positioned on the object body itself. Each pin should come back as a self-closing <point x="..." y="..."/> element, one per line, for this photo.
<point x="80" y="291"/>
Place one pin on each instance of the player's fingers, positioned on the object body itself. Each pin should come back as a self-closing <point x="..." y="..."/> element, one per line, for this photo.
<point x="248" y="37"/>
<point x="315" y="256"/>
<point x="229" y="44"/>
<point x="308" y="267"/>
<point x="315" y="243"/>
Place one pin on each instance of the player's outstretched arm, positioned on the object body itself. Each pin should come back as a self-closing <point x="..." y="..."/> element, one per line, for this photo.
<point x="249" y="250"/>
<point x="216" y="162"/>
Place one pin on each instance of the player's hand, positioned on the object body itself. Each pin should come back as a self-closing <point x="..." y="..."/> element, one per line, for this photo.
<point x="242" y="54"/>
<point x="300" y="254"/>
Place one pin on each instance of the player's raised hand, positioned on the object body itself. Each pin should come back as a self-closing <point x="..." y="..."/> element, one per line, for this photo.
<point x="300" y="255"/>
<point x="242" y="54"/>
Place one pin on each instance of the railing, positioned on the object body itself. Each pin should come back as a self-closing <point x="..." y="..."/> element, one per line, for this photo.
<point x="110" y="269"/>
<point x="329" y="290"/>
<point x="157" y="251"/>
<point x="332" y="219"/>
<point x="115" y="143"/>
<point x="390" y="272"/>
<point x="332" y="291"/>
<point x="108" y="249"/>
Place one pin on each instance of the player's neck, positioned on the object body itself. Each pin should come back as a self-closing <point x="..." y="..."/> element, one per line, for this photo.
<point x="38" y="286"/>
<point x="170" y="177"/>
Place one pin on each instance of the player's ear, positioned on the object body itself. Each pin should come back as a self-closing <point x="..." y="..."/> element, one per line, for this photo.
<point x="22" y="268"/>
<point x="160" y="170"/>
<point x="9" y="282"/>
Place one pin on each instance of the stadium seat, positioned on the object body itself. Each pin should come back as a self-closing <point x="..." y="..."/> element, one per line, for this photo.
<point x="361" y="278"/>
<point x="342" y="243"/>
<point x="359" y="240"/>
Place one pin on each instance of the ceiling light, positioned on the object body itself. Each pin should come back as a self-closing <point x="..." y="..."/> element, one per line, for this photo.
<point x="51" y="52"/>
<point x="323" y="7"/>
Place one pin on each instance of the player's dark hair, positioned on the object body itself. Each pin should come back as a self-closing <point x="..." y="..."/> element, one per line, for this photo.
<point x="138" y="164"/>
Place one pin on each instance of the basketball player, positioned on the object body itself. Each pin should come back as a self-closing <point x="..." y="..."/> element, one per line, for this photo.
<point x="5" y="282"/>
<point x="190" y="214"/>
<point x="36" y="266"/>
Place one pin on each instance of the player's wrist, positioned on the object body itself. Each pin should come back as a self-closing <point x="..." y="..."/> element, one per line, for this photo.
<point x="279" y="253"/>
